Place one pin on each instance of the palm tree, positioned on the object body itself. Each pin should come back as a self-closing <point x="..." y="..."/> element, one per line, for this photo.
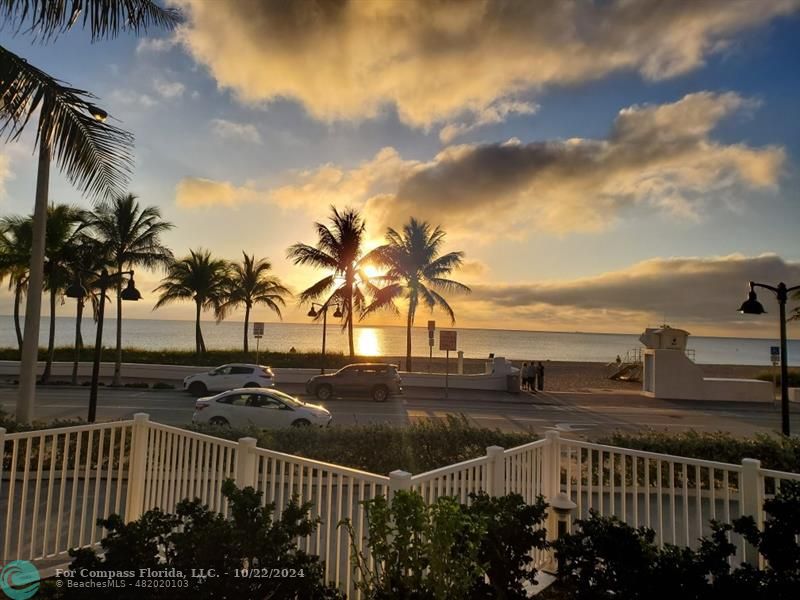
<point x="339" y="251"/>
<point x="93" y="155"/>
<point x="197" y="277"/>
<point x="15" y="253"/>
<point x="417" y="272"/>
<point x="131" y="236"/>
<point x="250" y="284"/>
<point x="64" y="226"/>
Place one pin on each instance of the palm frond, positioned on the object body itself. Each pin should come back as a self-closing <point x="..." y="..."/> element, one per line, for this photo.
<point x="94" y="156"/>
<point x="47" y="19"/>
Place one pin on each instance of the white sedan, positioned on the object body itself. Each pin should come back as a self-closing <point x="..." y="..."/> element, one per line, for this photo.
<point x="229" y="377"/>
<point x="258" y="407"/>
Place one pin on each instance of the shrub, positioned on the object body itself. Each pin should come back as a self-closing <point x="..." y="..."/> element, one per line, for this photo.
<point x="382" y="448"/>
<point x="448" y="551"/>
<point x="160" y="385"/>
<point x="609" y="559"/>
<point x="137" y="384"/>
<point x="197" y="538"/>
<point x="793" y="378"/>
<point x="774" y="451"/>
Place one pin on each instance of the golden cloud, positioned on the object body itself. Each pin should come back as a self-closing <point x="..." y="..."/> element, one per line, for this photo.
<point x="198" y="192"/>
<point x="441" y="61"/>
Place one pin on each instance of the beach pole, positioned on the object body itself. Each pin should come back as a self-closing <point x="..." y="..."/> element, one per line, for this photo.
<point x="446" y="372"/>
<point x="258" y="339"/>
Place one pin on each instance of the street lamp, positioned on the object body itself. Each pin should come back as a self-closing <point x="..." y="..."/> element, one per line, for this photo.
<point x="76" y="290"/>
<point x="323" y="308"/>
<point x="752" y="306"/>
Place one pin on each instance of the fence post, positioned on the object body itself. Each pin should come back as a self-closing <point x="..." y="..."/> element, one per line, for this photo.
<point x="751" y="499"/>
<point x="398" y="480"/>
<point x="551" y="457"/>
<point x="246" y="462"/>
<point x="496" y="471"/>
<point x="134" y="502"/>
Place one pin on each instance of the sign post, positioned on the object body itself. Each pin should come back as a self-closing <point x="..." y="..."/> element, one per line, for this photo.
<point x="448" y="340"/>
<point x="775" y="357"/>
<point x="258" y="333"/>
<point x="431" y="330"/>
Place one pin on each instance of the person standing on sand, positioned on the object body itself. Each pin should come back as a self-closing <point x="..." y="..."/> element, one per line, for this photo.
<point x="540" y="376"/>
<point x="523" y="376"/>
<point x="532" y="377"/>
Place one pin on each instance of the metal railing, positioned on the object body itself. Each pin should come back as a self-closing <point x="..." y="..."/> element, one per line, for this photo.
<point x="56" y="483"/>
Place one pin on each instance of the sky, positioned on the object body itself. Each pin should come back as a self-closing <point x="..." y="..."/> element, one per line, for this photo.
<point x="604" y="166"/>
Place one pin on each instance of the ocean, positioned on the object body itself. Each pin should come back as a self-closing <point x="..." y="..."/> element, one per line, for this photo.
<point x="390" y="341"/>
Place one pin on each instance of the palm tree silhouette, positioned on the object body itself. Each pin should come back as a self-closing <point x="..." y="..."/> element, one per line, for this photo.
<point x="15" y="257"/>
<point x="65" y="225"/>
<point x="131" y="237"/>
<point x="249" y="284"/>
<point x="339" y="250"/>
<point x="415" y="271"/>
<point x="198" y="277"/>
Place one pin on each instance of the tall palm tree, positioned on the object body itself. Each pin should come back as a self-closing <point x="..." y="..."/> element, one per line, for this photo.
<point x="93" y="155"/>
<point x="64" y="229"/>
<point x="250" y="284"/>
<point x="339" y="251"/>
<point x="416" y="271"/>
<point x="132" y="237"/>
<point x="198" y="277"/>
<point x="15" y="256"/>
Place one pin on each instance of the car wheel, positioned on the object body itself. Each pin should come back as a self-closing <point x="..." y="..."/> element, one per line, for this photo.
<point x="324" y="392"/>
<point x="301" y="423"/>
<point x="251" y="384"/>
<point x="197" y="388"/>
<point x="380" y="393"/>
<point x="219" y="421"/>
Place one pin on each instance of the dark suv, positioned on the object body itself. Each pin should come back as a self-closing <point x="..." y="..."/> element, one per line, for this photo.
<point x="377" y="380"/>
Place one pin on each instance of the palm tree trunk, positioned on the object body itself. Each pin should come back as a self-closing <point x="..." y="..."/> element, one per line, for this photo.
<point x="409" y="324"/>
<point x="78" y="341"/>
<point x="17" y="300"/>
<point x="198" y="334"/>
<point x="118" y="362"/>
<point x="51" y="342"/>
<point x="350" y="323"/>
<point x="246" y="324"/>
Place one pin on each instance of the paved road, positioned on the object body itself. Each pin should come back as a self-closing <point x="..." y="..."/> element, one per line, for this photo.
<point x="583" y="414"/>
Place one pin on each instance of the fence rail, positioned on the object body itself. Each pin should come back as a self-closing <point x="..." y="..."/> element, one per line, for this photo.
<point x="56" y="483"/>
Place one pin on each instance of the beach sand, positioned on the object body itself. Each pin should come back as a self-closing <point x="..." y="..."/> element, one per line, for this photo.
<point x="570" y="376"/>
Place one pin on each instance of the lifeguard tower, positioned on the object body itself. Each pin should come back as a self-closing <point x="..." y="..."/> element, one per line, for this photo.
<point x="670" y="374"/>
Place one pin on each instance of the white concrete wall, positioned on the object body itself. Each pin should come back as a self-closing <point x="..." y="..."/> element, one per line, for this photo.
<point x="175" y="374"/>
<point x="671" y="375"/>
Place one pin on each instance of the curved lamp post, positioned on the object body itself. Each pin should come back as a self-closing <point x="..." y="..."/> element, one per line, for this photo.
<point x="323" y="308"/>
<point x="76" y="290"/>
<point x="752" y="306"/>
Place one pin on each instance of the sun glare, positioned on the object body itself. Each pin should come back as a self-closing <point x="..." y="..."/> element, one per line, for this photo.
<point x="367" y="343"/>
<point x="372" y="271"/>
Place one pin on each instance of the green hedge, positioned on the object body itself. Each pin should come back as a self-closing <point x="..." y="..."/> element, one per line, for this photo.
<point x="211" y="358"/>
<point x="774" y="452"/>
<point x="381" y="448"/>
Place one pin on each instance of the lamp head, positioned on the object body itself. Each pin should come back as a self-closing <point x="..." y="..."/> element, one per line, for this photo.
<point x="76" y="290"/>
<point x="337" y="313"/>
<point x="130" y="292"/>
<point x="752" y="306"/>
<point x="563" y="505"/>
<point x="311" y="312"/>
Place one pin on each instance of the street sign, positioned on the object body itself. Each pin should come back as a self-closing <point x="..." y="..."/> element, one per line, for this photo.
<point x="448" y="340"/>
<point x="775" y="354"/>
<point x="258" y="329"/>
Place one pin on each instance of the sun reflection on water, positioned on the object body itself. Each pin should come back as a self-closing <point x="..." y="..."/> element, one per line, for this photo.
<point x="367" y="342"/>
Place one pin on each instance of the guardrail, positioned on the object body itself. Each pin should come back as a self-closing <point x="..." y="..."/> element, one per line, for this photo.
<point x="56" y="483"/>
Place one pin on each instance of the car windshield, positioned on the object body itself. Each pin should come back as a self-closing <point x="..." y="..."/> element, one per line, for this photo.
<point x="286" y="398"/>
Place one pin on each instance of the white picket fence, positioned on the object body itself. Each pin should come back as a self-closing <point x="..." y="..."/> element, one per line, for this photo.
<point x="56" y="483"/>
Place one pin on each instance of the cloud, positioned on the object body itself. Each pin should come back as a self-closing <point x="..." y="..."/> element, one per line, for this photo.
<point x="236" y="131"/>
<point x="497" y="113"/>
<point x="169" y="89"/>
<point x="133" y="98"/>
<point x="434" y="61"/>
<point x="659" y="158"/>
<point x="198" y="192"/>
<point x="5" y="174"/>
<point x="688" y="290"/>
<point x="155" y="45"/>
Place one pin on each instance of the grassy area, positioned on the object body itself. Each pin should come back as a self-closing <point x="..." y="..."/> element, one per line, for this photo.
<point x="793" y="379"/>
<point x="381" y="448"/>
<point x="211" y="358"/>
<point x="774" y="452"/>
